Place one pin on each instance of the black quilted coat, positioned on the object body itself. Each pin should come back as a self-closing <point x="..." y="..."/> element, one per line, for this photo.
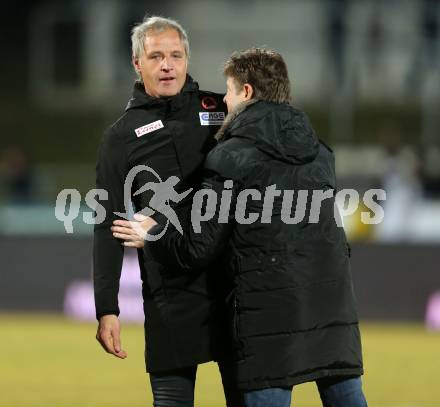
<point x="292" y="312"/>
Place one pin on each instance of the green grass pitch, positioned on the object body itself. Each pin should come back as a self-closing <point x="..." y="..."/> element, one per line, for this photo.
<point x="52" y="361"/>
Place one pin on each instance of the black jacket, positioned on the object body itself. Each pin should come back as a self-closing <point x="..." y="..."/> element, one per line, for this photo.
<point x="178" y="309"/>
<point x="292" y="317"/>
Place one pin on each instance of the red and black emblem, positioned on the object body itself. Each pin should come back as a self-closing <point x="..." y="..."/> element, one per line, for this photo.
<point x="209" y="103"/>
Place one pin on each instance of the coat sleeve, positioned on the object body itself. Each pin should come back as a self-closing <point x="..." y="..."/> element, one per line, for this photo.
<point x="107" y="251"/>
<point x="198" y="247"/>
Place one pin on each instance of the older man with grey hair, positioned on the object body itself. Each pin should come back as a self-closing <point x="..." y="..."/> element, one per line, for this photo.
<point x="169" y="126"/>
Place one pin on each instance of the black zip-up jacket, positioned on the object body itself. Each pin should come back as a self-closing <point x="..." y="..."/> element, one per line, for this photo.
<point x="179" y="309"/>
<point x="292" y="315"/>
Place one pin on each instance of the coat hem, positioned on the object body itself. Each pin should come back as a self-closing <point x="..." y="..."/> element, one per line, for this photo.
<point x="292" y="381"/>
<point x="182" y="365"/>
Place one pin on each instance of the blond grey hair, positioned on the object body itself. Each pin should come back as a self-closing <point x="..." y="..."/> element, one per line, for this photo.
<point x="155" y="24"/>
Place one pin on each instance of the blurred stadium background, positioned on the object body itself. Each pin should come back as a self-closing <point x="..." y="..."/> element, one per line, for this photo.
<point x="368" y="74"/>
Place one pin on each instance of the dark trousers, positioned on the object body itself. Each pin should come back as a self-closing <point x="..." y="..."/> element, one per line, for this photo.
<point x="176" y="388"/>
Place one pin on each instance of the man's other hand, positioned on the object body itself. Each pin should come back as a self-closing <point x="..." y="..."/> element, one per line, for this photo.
<point x="132" y="233"/>
<point x="108" y="335"/>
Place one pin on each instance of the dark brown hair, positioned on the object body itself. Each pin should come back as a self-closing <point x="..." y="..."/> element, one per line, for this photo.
<point x="264" y="69"/>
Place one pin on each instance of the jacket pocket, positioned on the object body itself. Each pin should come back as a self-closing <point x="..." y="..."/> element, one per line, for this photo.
<point x="239" y="345"/>
<point x="237" y="341"/>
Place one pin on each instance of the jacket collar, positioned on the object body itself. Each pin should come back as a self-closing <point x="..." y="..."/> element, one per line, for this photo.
<point x="227" y="124"/>
<point x="279" y="130"/>
<point x="141" y="99"/>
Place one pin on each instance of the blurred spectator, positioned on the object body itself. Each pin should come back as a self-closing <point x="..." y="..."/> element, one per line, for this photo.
<point x="430" y="31"/>
<point x="16" y="173"/>
<point x="375" y="41"/>
<point x="426" y="56"/>
<point x="431" y="171"/>
<point x="401" y="181"/>
<point x="337" y="35"/>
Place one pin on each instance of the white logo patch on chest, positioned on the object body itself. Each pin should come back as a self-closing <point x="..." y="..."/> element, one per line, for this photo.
<point x="211" y="118"/>
<point x="148" y="128"/>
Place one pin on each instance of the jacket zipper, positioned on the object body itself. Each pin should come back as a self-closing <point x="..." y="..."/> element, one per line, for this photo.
<point x="236" y="318"/>
<point x="236" y="301"/>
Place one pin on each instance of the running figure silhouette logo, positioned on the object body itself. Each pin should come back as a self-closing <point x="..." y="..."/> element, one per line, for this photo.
<point x="164" y="192"/>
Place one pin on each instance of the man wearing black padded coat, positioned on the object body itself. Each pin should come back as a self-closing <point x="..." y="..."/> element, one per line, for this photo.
<point x="169" y="126"/>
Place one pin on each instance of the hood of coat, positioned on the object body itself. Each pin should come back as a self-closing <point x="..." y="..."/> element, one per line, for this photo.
<point x="141" y="99"/>
<point x="278" y="130"/>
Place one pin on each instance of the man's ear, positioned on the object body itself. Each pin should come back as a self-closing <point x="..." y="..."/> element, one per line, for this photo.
<point x="248" y="91"/>
<point x="136" y="64"/>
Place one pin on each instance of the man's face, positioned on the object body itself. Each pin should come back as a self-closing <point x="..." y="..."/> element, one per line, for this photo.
<point x="164" y="63"/>
<point x="234" y="94"/>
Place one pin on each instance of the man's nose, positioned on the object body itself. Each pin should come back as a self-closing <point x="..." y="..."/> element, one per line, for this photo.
<point x="224" y="99"/>
<point x="166" y="65"/>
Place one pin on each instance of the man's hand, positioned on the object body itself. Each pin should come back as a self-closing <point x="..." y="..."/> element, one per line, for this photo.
<point x="108" y="335"/>
<point x="132" y="232"/>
